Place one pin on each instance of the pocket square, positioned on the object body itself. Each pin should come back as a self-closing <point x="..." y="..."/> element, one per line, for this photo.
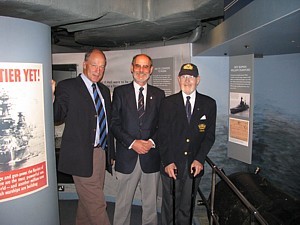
<point x="203" y="117"/>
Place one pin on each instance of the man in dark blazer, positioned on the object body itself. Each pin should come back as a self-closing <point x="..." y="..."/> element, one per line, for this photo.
<point x="134" y="125"/>
<point x="80" y="154"/>
<point x="187" y="125"/>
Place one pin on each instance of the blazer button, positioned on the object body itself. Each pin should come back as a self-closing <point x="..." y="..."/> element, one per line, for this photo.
<point x="187" y="140"/>
<point x="185" y="153"/>
<point x="96" y="116"/>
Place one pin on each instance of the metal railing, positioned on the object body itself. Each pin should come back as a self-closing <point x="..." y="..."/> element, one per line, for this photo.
<point x="213" y="218"/>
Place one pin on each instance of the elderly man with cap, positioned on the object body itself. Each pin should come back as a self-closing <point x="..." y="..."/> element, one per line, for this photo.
<point x="187" y="125"/>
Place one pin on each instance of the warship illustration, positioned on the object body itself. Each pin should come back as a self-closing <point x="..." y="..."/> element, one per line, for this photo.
<point x="240" y="108"/>
<point x="14" y="136"/>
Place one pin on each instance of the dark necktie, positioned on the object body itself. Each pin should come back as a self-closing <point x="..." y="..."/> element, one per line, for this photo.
<point x="101" y="117"/>
<point x="188" y="108"/>
<point x="141" y="107"/>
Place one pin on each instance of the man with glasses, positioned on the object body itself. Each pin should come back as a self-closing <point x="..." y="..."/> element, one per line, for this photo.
<point x="134" y="125"/>
<point x="187" y="123"/>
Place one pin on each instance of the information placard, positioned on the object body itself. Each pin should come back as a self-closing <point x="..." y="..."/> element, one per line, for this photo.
<point x="240" y="107"/>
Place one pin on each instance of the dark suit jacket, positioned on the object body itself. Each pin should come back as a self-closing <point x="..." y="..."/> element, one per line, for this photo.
<point x="125" y="127"/>
<point x="179" y="140"/>
<point x="74" y="106"/>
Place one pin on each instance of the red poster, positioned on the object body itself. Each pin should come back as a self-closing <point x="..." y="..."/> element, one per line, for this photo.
<point x="23" y="165"/>
<point x="22" y="181"/>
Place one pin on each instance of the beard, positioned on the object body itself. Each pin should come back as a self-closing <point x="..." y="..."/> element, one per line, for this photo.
<point x="141" y="77"/>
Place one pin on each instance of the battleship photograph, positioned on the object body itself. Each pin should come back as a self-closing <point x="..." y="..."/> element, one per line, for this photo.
<point x="239" y="104"/>
<point x="242" y="106"/>
<point x="14" y="135"/>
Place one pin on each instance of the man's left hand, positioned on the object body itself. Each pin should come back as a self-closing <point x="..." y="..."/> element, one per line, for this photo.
<point x="196" y="167"/>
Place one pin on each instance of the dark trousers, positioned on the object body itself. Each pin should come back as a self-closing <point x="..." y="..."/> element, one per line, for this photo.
<point x="183" y="193"/>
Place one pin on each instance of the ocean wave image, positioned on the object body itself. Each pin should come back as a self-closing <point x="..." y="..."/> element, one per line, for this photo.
<point x="275" y="150"/>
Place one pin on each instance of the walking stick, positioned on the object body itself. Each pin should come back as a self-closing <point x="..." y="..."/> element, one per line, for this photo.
<point x="174" y="197"/>
<point x="193" y="198"/>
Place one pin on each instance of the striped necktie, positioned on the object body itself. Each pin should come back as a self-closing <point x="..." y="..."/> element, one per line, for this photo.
<point x="188" y="108"/>
<point x="141" y="107"/>
<point x="101" y="118"/>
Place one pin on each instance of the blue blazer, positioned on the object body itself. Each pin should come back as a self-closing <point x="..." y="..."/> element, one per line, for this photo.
<point x="74" y="106"/>
<point x="180" y="141"/>
<point x="125" y="127"/>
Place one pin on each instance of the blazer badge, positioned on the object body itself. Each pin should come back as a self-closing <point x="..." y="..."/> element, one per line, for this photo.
<point x="201" y="127"/>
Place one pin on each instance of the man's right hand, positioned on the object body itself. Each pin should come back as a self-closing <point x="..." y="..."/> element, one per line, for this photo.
<point x="53" y="84"/>
<point x="142" y="146"/>
<point x="171" y="170"/>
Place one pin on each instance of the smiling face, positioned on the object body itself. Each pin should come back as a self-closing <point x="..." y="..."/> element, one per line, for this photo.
<point x="188" y="84"/>
<point x="94" y="66"/>
<point x="141" y="69"/>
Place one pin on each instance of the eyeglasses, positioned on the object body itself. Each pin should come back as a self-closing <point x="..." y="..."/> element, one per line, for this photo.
<point x="189" y="77"/>
<point x="138" y="66"/>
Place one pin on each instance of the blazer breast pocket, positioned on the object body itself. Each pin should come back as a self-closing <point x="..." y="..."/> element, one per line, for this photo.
<point x="202" y="124"/>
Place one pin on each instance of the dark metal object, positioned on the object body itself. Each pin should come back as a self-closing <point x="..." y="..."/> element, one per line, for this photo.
<point x="193" y="197"/>
<point x="251" y="208"/>
<point x="174" y="196"/>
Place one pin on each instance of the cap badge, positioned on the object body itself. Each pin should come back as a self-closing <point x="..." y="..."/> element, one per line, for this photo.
<point x="188" y="67"/>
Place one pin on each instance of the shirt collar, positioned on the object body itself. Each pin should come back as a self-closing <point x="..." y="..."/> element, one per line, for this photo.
<point x="137" y="87"/>
<point x="87" y="81"/>
<point x="192" y="95"/>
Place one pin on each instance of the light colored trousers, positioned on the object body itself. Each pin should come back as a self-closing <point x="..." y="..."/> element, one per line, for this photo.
<point x="127" y="185"/>
<point x="91" y="204"/>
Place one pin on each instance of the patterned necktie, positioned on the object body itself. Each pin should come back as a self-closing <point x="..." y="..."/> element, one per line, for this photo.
<point x="101" y="118"/>
<point x="188" y="108"/>
<point x="141" y="108"/>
